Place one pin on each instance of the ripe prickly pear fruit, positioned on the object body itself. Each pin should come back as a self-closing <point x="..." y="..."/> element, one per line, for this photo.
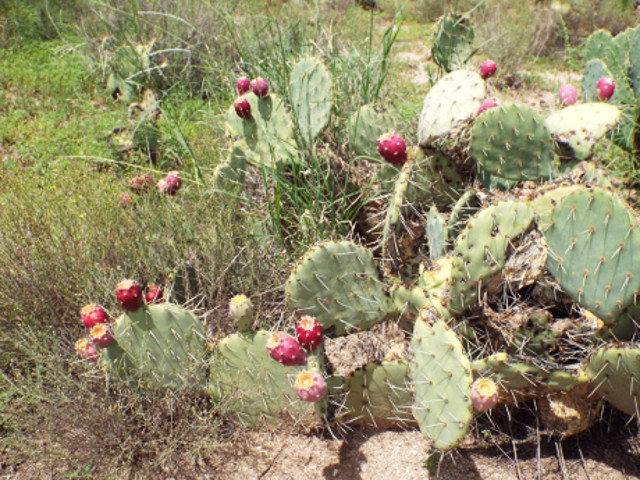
<point x="260" y="87"/>
<point x="153" y="294"/>
<point x="102" y="335"/>
<point x="241" y="310"/>
<point x="488" y="69"/>
<point x="243" y="108"/>
<point x="309" y="332"/>
<point x="86" y="349"/>
<point x="567" y="94"/>
<point x="310" y="386"/>
<point x="141" y="183"/>
<point x="92" y="315"/>
<point x="243" y="84"/>
<point x="392" y="148"/>
<point x="487" y="104"/>
<point x="484" y="394"/>
<point x="129" y="295"/>
<point x="286" y="350"/>
<point x="606" y="87"/>
<point x="125" y="200"/>
<point x="171" y="184"/>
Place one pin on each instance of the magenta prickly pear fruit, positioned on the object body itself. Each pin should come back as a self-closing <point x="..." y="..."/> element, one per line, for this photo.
<point x="484" y="394"/>
<point x="243" y="108"/>
<point x="243" y="84"/>
<point x="86" y="349"/>
<point x="605" y="87"/>
<point x="310" y="386"/>
<point x="286" y="350"/>
<point x="102" y="335"/>
<point x="488" y="69"/>
<point x="141" y="183"/>
<point x="125" y="200"/>
<point x="392" y="148"/>
<point x="487" y="104"/>
<point x="309" y="332"/>
<point x="171" y="184"/>
<point x="153" y="294"/>
<point x="567" y="94"/>
<point x="129" y="295"/>
<point x="92" y="315"/>
<point x="260" y="87"/>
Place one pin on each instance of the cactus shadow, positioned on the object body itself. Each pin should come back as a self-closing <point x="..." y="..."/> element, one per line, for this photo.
<point x="350" y="458"/>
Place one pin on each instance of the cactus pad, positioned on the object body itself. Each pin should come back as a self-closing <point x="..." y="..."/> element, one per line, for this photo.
<point x="513" y="142"/>
<point x="594" y="252"/>
<point x="258" y="388"/>
<point x="580" y="126"/>
<point x="165" y="344"/>
<point x="339" y="284"/>
<point x="442" y="381"/>
<point x="380" y="395"/>
<point x="310" y="94"/>
<point x="365" y="126"/>
<point x="452" y="101"/>
<point x="453" y="43"/>
<point x="229" y="175"/>
<point x="268" y="133"/>
<point x="480" y="250"/>
<point x="615" y="374"/>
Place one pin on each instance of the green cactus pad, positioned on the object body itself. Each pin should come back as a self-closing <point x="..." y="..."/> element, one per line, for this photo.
<point x="339" y="284"/>
<point x="380" y="395"/>
<point x="615" y="374"/>
<point x="442" y="382"/>
<point x="165" y="343"/>
<point x="269" y="131"/>
<point x="453" y="44"/>
<point x="602" y="45"/>
<point x="452" y="101"/>
<point x="467" y="205"/>
<point x="581" y="126"/>
<point x="509" y="373"/>
<point x="594" y="252"/>
<point x="513" y="142"/>
<point x="310" y="95"/>
<point x="258" y="388"/>
<point x="436" y="232"/>
<point x="634" y="60"/>
<point x="229" y="175"/>
<point x="481" y="249"/>
<point x="365" y="126"/>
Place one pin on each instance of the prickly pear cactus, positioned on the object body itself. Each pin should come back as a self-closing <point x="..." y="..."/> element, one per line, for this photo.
<point x="512" y="142"/>
<point x="258" y="388"/>
<point x="451" y="102"/>
<point x="269" y="131"/>
<point x="379" y="395"/>
<point x="229" y="175"/>
<point x="594" y="252"/>
<point x="164" y="344"/>
<point x="365" y="126"/>
<point x="615" y="374"/>
<point x="453" y="43"/>
<point x="481" y="249"/>
<point x="581" y="126"/>
<point x="442" y="382"/>
<point x="310" y="95"/>
<point x="339" y="284"/>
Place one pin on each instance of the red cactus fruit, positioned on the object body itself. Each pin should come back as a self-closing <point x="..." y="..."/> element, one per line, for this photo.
<point x="86" y="349"/>
<point x="243" y="84"/>
<point x="92" y="315"/>
<point x="142" y="183"/>
<point x="129" y="295"/>
<point x="487" y="104"/>
<point x="567" y="94"/>
<point x="392" y="148"/>
<point x="153" y="294"/>
<point x="260" y="87"/>
<point x="488" y="69"/>
<point x="125" y="200"/>
<point x="484" y="394"/>
<point x="606" y="87"/>
<point x="102" y="335"/>
<point x="309" y="332"/>
<point x="243" y="108"/>
<point x="286" y="350"/>
<point x="310" y="386"/>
